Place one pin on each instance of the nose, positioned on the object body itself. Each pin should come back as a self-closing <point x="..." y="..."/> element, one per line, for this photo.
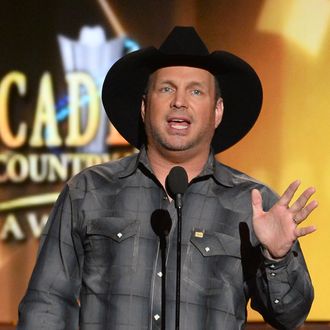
<point x="179" y="100"/>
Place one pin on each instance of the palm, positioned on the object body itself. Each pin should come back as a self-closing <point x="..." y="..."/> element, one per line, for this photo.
<point x="276" y="229"/>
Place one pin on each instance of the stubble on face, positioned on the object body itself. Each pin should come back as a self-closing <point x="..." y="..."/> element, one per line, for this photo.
<point x="160" y="139"/>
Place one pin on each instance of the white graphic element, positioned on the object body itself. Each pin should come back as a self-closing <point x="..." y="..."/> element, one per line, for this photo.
<point x="92" y="54"/>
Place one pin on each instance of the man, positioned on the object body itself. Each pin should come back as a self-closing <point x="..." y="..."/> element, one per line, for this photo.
<point x="100" y="264"/>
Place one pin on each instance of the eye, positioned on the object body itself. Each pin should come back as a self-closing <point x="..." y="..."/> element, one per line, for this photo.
<point x="166" y="89"/>
<point x="196" y="92"/>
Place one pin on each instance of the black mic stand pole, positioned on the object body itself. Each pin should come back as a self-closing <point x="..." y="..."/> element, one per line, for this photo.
<point x="178" y="202"/>
<point x="177" y="183"/>
<point x="161" y="224"/>
<point x="163" y="299"/>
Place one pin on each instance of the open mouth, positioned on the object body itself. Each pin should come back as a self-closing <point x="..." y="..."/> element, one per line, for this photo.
<point x="179" y="123"/>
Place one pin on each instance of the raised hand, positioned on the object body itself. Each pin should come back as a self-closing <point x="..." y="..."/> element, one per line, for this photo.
<point x="277" y="229"/>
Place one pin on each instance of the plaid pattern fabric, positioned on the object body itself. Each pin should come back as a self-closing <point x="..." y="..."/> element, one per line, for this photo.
<point x="100" y="265"/>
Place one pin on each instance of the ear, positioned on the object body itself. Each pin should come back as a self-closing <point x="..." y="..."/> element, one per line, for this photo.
<point x="218" y="111"/>
<point x="143" y="107"/>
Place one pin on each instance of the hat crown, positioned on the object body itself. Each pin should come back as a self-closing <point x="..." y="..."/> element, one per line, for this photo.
<point x="184" y="40"/>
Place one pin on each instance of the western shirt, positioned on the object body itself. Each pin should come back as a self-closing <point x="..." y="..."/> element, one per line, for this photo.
<point x="104" y="264"/>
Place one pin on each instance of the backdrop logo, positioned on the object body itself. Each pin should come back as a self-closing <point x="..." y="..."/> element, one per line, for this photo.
<point x="73" y="130"/>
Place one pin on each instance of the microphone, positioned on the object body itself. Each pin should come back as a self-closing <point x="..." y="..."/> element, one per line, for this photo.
<point x="161" y="223"/>
<point x="176" y="184"/>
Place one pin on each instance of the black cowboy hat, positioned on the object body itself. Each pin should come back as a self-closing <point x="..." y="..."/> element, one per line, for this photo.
<point x="126" y="81"/>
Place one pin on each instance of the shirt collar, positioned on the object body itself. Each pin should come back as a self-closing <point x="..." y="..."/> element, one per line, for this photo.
<point x="133" y="163"/>
<point x="221" y="173"/>
<point x="218" y="171"/>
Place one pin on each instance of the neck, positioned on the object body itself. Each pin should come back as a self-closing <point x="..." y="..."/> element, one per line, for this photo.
<point x="162" y="162"/>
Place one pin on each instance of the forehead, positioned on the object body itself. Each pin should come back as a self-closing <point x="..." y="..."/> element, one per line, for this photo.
<point x="182" y="73"/>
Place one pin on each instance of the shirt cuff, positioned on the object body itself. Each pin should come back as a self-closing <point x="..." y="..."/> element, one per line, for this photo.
<point x="272" y="262"/>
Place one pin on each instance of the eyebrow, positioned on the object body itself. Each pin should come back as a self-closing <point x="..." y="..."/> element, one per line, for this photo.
<point x="190" y="84"/>
<point x="197" y="83"/>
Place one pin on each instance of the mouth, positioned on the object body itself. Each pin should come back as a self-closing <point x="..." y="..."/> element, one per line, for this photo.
<point x="178" y="123"/>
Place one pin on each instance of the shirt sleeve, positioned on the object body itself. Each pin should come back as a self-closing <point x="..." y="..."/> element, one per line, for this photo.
<point x="282" y="291"/>
<point x="52" y="297"/>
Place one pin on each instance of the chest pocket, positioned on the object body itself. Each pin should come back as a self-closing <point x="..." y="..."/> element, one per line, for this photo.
<point x="213" y="262"/>
<point x="213" y="271"/>
<point x="112" y="242"/>
<point x="216" y="244"/>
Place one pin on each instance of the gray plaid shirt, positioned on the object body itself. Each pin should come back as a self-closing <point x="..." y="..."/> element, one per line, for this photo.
<point x="100" y="265"/>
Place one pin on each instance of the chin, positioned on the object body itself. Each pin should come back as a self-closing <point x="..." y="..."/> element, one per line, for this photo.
<point x="177" y="146"/>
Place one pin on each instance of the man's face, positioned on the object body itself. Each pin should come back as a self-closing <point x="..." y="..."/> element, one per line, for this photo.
<point x="180" y="111"/>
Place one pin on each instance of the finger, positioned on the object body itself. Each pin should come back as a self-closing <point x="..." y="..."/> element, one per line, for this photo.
<point x="305" y="231"/>
<point x="256" y="199"/>
<point x="305" y="212"/>
<point x="288" y="194"/>
<point x="302" y="200"/>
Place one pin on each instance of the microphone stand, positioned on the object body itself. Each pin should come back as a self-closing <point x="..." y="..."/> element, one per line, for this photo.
<point x="178" y="204"/>
<point x="176" y="185"/>
<point x="163" y="299"/>
<point x="161" y="224"/>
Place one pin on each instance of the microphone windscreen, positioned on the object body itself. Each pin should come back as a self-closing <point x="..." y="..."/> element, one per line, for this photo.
<point x="161" y="223"/>
<point x="176" y="181"/>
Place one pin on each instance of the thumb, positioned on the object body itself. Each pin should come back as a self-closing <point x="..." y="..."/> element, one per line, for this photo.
<point x="256" y="199"/>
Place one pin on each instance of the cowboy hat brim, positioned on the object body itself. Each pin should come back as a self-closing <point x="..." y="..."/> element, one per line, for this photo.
<point x="126" y="81"/>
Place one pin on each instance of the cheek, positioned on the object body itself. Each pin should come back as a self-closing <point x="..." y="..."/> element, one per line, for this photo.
<point x="206" y="116"/>
<point x="152" y="119"/>
<point x="154" y="113"/>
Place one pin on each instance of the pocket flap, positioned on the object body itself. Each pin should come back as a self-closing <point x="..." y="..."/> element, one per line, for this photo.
<point x="212" y="244"/>
<point x="115" y="228"/>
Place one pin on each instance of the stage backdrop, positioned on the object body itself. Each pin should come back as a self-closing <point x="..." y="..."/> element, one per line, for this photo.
<point x="53" y="59"/>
